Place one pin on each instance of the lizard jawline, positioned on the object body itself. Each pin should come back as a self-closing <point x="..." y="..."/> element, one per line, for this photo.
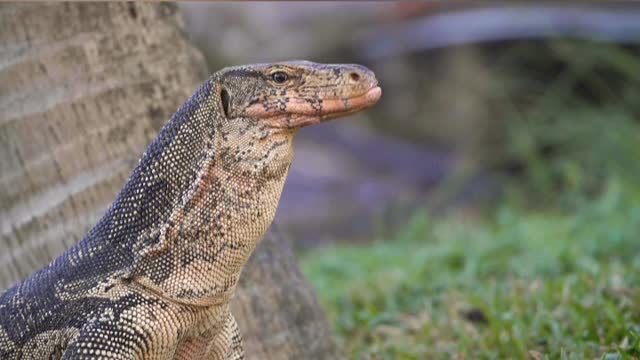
<point x="301" y="113"/>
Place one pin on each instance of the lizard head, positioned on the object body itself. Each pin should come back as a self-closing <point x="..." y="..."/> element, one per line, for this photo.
<point x="290" y="95"/>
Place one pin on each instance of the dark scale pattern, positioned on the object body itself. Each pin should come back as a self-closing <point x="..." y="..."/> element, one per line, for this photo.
<point x="154" y="277"/>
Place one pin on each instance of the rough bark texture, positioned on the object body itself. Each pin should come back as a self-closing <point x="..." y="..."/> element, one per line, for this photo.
<point x="84" y="88"/>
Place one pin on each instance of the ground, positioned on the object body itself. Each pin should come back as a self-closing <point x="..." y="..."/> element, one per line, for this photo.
<point x="515" y="284"/>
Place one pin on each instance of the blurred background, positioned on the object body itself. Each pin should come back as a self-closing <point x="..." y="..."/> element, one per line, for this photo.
<point x="489" y="205"/>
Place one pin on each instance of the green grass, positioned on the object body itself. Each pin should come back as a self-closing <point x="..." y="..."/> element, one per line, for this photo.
<point x="516" y="285"/>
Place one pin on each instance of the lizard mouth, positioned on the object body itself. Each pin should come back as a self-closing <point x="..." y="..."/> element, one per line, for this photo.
<point x="300" y="112"/>
<point x="333" y="108"/>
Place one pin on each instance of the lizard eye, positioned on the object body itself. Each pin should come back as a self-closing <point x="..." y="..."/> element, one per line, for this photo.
<point x="279" y="77"/>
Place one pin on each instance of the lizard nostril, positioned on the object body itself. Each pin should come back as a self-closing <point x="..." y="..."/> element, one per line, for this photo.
<point x="355" y="77"/>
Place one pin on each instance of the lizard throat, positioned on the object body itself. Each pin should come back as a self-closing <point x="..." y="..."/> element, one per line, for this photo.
<point x="300" y="112"/>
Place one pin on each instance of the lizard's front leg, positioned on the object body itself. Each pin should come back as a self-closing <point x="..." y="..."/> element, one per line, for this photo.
<point x="220" y="341"/>
<point x="231" y="330"/>
<point x="135" y="325"/>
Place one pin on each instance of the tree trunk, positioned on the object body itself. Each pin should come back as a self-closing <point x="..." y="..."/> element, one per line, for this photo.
<point x="84" y="88"/>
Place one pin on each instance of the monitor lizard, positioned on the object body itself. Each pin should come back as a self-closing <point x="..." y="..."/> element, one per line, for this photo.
<point x="153" y="278"/>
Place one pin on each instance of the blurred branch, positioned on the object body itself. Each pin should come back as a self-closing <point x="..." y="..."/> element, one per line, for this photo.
<point x="491" y="24"/>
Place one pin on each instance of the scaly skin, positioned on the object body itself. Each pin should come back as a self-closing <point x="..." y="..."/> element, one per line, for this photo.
<point x="153" y="278"/>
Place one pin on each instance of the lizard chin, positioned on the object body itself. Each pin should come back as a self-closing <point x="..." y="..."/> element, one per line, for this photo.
<point x="302" y="113"/>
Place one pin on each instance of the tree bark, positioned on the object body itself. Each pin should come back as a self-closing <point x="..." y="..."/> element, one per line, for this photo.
<point x="84" y="88"/>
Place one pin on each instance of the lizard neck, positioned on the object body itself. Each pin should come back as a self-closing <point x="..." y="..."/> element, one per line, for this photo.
<point x="203" y="246"/>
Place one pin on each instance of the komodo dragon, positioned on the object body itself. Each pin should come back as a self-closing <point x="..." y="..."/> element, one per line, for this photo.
<point x="153" y="278"/>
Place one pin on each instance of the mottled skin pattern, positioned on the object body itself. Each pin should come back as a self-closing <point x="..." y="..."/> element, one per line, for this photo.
<point x="153" y="278"/>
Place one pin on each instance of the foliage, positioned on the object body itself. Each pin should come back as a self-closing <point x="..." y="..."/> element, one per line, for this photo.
<point x="553" y="271"/>
<point x="573" y="111"/>
<point x="520" y="284"/>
